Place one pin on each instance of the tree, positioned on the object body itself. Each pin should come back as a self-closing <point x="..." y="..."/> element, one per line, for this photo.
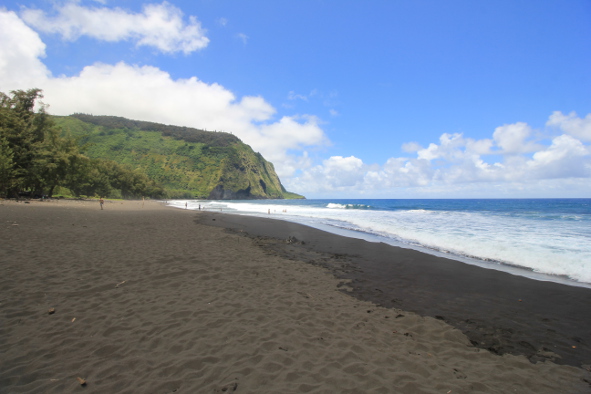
<point x="6" y="166"/>
<point x="23" y="130"/>
<point x="58" y="158"/>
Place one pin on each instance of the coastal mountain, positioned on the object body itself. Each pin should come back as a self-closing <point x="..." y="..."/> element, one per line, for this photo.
<point x="186" y="162"/>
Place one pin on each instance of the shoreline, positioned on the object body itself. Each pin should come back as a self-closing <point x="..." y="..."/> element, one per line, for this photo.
<point x="144" y="298"/>
<point x="536" y="264"/>
<point x="495" y="265"/>
<point x="498" y="311"/>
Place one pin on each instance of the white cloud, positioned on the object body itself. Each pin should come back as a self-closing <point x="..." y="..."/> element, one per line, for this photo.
<point x="566" y="157"/>
<point x="159" y="25"/>
<point x="151" y="94"/>
<point x="452" y="147"/>
<point x="411" y="147"/>
<point x="335" y="174"/>
<point x="511" y="138"/>
<point x="572" y="124"/>
<point x="20" y="52"/>
<point x="456" y="167"/>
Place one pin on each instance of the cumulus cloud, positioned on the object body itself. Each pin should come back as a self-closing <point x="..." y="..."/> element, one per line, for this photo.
<point x="572" y="124"/>
<point x="453" y="147"/>
<point x="151" y="94"/>
<point x="158" y="25"/>
<point x="512" y="138"/>
<point x="336" y="174"/>
<point x="462" y="166"/>
<point x="20" y="52"/>
<point x="565" y="157"/>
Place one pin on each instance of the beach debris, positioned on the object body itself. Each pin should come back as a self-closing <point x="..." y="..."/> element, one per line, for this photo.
<point x="283" y="348"/>
<point x="81" y="381"/>
<point x="119" y="284"/>
<point x="73" y="320"/>
<point x="51" y="311"/>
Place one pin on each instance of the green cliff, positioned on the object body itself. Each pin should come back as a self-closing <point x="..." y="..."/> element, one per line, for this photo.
<point x="188" y="163"/>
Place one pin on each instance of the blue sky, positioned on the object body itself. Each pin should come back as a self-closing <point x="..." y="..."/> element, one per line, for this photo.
<point x="369" y="99"/>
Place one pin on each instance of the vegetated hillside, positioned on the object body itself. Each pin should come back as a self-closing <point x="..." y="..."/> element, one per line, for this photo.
<point x="188" y="163"/>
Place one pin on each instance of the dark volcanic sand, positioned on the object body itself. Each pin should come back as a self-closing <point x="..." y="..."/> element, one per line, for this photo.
<point x="500" y="312"/>
<point x="141" y="298"/>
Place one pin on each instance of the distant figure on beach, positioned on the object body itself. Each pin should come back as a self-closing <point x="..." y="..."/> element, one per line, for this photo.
<point x="102" y="202"/>
<point x="200" y="207"/>
<point x="185" y="205"/>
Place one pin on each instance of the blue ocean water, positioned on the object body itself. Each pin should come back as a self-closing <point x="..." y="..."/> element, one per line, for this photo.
<point x="548" y="239"/>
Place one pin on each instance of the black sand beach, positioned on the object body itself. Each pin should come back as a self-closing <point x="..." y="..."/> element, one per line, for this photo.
<point x="141" y="298"/>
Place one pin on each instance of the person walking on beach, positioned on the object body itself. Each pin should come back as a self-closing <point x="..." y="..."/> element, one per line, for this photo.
<point x="102" y="202"/>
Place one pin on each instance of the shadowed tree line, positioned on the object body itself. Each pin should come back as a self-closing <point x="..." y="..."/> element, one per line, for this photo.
<point x="36" y="157"/>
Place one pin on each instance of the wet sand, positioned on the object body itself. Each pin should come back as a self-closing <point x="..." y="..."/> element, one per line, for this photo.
<point x="155" y="299"/>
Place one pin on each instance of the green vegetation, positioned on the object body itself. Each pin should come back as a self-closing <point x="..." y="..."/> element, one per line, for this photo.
<point x="117" y="157"/>
<point x="37" y="157"/>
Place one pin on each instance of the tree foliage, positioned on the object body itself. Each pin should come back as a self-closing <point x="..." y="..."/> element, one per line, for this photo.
<point x="36" y="157"/>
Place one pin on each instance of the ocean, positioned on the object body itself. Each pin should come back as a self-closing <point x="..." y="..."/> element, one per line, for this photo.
<point x="545" y="239"/>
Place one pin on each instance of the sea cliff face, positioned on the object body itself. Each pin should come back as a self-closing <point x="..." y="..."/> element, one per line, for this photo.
<point x="188" y="163"/>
